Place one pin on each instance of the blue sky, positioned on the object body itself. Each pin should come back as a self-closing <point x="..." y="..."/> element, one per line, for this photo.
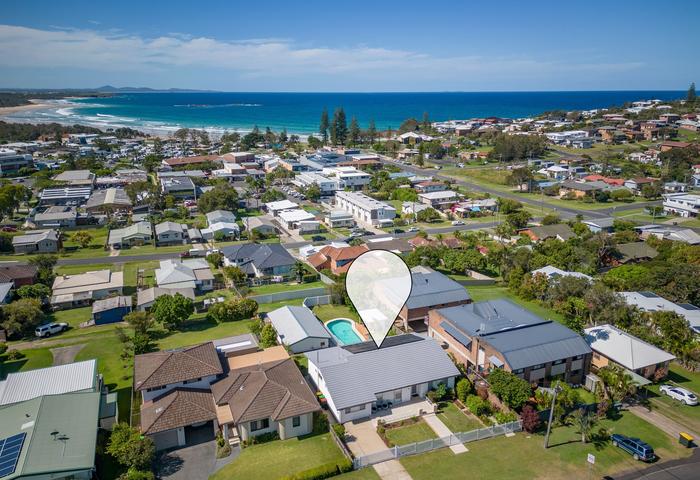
<point x="351" y="46"/>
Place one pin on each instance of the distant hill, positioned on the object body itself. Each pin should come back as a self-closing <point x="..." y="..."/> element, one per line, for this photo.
<point x="112" y="89"/>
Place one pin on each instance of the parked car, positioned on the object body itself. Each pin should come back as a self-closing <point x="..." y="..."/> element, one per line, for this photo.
<point x="681" y="394"/>
<point x="460" y="165"/>
<point x="457" y="222"/>
<point x="413" y="229"/>
<point x="399" y="230"/>
<point x="8" y="228"/>
<point x="49" y="329"/>
<point x="318" y="238"/>
<point x="637" y="448"/>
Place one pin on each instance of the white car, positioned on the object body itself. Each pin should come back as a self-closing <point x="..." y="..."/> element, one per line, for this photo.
<point x="413" y="229"/>
<point x="679" y="393"/>
<point x="457" y="222"/>
<point x="49" y="329"/>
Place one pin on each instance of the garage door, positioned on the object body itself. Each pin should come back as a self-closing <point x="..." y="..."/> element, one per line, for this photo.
<point x="165" y="440"/>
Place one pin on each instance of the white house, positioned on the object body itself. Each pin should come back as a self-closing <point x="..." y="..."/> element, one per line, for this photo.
<point x="190" y="273"/>
<point x="365" y="209"/>
<point x="682" y="204"/>
<point x="354" y="378"/>
<point x="298" y="329"/>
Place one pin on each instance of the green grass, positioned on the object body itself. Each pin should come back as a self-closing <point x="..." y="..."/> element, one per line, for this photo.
<point x="34" y="358"/>
<point x="281" y="458"/>
<point x="413" y="433"/>
<point x="268" y="307"/>
<point x="522" y="456"/>
<point x="284" y="287"/>
<point x="364" y="474"/>
<point x="492" y="292"/>
<point x="198" y="330"/>
<point x="685" y="415"/>
<point x="456" y="420"/>
<point x="330" y="312"/>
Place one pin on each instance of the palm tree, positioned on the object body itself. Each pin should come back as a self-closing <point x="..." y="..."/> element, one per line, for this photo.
<point x="299" y="270"/>
<point x="617" y="384"/>
<point x="584" y="421"/>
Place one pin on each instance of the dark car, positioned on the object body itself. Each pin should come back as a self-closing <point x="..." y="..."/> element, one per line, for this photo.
<point x="399" y="230"/>
<point x="318" y="238"/>
<point x="637" y="448"/>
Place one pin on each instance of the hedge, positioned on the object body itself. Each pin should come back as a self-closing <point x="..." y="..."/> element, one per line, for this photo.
<point x="322" y="472"/>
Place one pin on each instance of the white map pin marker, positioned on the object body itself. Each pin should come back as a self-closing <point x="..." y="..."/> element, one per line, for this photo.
<point x="378" y="284"/>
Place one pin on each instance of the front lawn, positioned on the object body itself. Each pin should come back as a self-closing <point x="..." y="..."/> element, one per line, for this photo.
<point x="416" y="432"/>
<point x="331" y="312"/>
<point x="456" y="420"/>
<point x="523" y="457"/>
<point x="284" y="287"/>
<point x="34" y="358"/>
<point x="685" y="415"/>
<point x="281" y="458"/>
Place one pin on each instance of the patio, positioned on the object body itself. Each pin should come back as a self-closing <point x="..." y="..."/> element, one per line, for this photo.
<point x="403" y="411"/>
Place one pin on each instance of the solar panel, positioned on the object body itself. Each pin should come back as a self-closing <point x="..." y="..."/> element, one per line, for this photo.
<point x="648" y="294"/>
<point x="10" y="449"/>
<point x="688" y="306"/>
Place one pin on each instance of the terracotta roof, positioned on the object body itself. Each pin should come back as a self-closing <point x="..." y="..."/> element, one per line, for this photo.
<point x="164" y="368"/>
<point x="179" y="407"/>
<point x="344" y="253"/>
<point x="274" y="390"/>
<point x="13" y="272"/>
<point x="317" y="259"/>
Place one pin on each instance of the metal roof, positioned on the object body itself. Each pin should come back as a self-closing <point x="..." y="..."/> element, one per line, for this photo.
<point x="72" y="377"/>
<point x="434" y="288"/>
<point x="623" y="348"/>
<point x="294" y="324"/>
<point x="356" y="378"/>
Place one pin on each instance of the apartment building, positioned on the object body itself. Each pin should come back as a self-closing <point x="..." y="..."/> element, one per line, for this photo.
<point x="365" y="209"/>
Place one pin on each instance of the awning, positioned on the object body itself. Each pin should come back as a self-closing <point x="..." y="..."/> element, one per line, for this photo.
<point x="637" y="379"/>
<point x="495" y="361"/>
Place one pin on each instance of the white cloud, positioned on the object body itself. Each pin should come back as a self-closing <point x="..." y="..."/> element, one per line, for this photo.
<point x="271" y="58"/>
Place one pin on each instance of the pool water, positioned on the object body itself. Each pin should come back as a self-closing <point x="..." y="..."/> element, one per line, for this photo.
<point x="343" y="331"/>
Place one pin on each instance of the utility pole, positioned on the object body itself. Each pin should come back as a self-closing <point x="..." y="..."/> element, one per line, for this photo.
<point x="557" y="389"/>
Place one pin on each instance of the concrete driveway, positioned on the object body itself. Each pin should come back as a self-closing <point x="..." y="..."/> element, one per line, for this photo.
<point x="362" y="439"/>
<point x="195" y="462"/>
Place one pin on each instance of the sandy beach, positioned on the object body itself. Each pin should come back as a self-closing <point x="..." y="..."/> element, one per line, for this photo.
<point x="20" y="108"/>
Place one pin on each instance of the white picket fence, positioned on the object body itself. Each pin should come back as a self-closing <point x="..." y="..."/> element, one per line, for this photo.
<point x="436" y="443"/>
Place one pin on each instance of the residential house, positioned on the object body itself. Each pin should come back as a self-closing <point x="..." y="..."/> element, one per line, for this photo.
<point x="298" y="329"/>
<point x="259" y="259"/>
<point x="56" y="217"/>
<point x="651" y="302"/>
<point x="365" y="209"/>
<point x="300" y="220"/>
<point x="264" y="392"/>
<point x="182" y="162"/>
<point x="11" y="161"/>
<point x="671" y="145"/>
<point x="560" y="231"/>
<point x="193" y="273"/>
<point x="221" y="230"/>
<point x="636" y="184"/>
<point x="430" y="290"/>
<point x="70" y="291"/>
<point x="39" y="241"/>
<point x="140" y="233"/>
<point x="261" y="225"/>
<point x="600" y="224"/>
<point x="336" y="259"/>
<point x="413" y="208"/>
<point x="181" y="187"/>
<point x="685" y="205"/>
<point x="475" y="207"/>
<point x="581" y="189"/>
<point x="326" y="185"/>
<point x="397" y="245"/>
<point x="111" y="310"/>
<point x="51" y="436"/>
<point x="552" y="272"/>
<point x="220" y="216"/>
<point x="65" y="196"/>
<point x="279" y="206"/>
<point x="354" y="378"/>
<point x="146" y="298"/>
<point x="339" y="219"/>
<point x="19" y="275"/>
<point x="76" y="178"/>
<point x="171" y="233"/>
<point x="108" y="200"/>
<point x="612" y="346"/>
<point x="675" y="187"/>
<point x="635" y="252"/>
<point x="441" y="200"/>
<point x="501" y="334"/>
<point x="675" y="233"/>
<point x="430" y="186"/>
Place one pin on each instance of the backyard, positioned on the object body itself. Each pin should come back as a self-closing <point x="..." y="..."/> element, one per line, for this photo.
<point x="565" y="459"/>
<point x="330" y="312"/>
<point x="686" y="415"/>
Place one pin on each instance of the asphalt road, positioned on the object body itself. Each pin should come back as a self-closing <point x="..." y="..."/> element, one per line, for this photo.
<point x="685" y="469"/>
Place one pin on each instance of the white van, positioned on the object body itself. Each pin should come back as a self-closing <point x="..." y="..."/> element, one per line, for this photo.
<point x="49" y="329"/>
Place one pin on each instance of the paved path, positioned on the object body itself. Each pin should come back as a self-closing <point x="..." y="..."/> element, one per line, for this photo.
<point x="362" y="439"/>
<point x="442" y="431"/>
<point x="391" y="470"/>
<point x="684" y="469"/>
<point x="660" y="421"/>
<point x="65" y="355"/>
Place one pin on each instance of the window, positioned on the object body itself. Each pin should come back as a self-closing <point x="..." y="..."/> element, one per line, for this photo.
<point x="397" y="395"/>
<point x="558" y="362"/>
<point x="537" y="367"/>
<point x="256" y="425"/>
<point x="578" y="357"/>
<point x="155" y="389"/>
<point x="296" y="421"/>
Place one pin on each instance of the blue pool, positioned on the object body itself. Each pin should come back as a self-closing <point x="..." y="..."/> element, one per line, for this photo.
<point x="342" y="329"/>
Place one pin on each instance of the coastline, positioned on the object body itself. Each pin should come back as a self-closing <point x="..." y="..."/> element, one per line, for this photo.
<point x="35" y="105"/>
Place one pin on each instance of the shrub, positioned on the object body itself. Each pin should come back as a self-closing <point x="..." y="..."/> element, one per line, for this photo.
<point x="322" y="472"/>
<point x="339" y="429"/>
<point x="3" y="348"/>
<point x="135" y="474"/>
<point x="505" y="417"/>
<point x="513" y="390"/>
<point x="14" y="355"/>
<point x="530" y="418"/>
<point x="320" y="423"/>
<point x="263" y="438"/>
<point x="478" y="406"/>
<point x="463" y="389"/>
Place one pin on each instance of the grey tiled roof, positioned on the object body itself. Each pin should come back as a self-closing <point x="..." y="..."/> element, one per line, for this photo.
<point x="294" y="324"/>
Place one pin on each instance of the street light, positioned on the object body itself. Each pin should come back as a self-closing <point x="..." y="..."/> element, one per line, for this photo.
<point x="557" y="389"/>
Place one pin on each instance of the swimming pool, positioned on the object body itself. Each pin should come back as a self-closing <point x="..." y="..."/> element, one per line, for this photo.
<point x="343" y="330"/>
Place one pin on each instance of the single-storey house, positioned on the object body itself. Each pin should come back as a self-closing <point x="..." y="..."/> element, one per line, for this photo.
<point x="635" y="252"/>
<point x="171" y="233"/>
<point x="70" y="291"/>
<point x="220" y="216"/>
<point x="354" y="378"/>
<point x="19" y="275"/>
<point x="600" y="224"/>
<point x="259" y="259"/>
<point x="40" y="241"/>
<point x="298" y="329"/>
<point x="560" y="231"/>
<point x="261" y="225"/>
<point x="336" y="259"/>
<point x="501" y="334"/>
<point x="430" y="290"/>
<point x="611" y="345"/>
<point x="193" y="273"/>
<point x="111" y="310"/>
<point x="140" y="233"/>
<point x="551" y="272"/>
<point x="108" y="200"/>
<point x="146" y="298"/>
<point x="441" y="200"/>
<point x="56" y="217"/>
<point x="221" y="229"/>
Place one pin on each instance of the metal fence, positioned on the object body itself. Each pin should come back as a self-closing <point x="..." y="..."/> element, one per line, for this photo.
<point x="289" y="295"/>
<point x="436" y="443"/>
<point x="311" y="302"/>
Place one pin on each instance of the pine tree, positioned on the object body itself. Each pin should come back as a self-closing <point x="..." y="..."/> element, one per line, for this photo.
<point x="372" y="131"/>
<point x="691" y="93"/>
<point x="323" y="127"/>
<point x="426" y="122"/>
<point x="354" y="132"/>
<point x="339" y="129"/>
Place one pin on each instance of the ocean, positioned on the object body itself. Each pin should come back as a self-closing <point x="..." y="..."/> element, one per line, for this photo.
<point x="300" y="112"/>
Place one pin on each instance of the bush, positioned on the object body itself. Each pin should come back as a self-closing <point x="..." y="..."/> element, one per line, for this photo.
<point x="14" y="355"/>
<point x="339" y="429"/>
<point x="264" y="438"/>
<point x="322" y="472"/>
<point x="320" y="423"/>
<point x="505" y="417"/>
<point x="530" y="418"/>
<point x="478" y="406"/>
<point x="3" y="348"/>
<point x="135" y="474"/>
<point x="513" y="390"/>
<point x="463" y="389"/>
